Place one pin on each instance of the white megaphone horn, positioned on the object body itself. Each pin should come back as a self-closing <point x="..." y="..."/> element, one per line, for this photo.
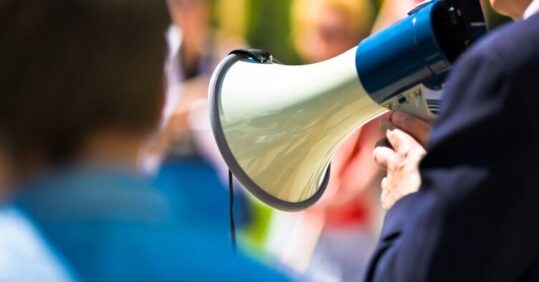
<point x="278" y="126"/>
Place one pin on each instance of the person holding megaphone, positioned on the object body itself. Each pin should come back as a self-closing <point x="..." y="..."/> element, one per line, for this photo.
<point x="468" y="211"/>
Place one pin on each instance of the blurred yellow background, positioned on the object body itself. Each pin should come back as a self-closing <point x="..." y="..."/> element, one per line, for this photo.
<point x="266" y="24"/>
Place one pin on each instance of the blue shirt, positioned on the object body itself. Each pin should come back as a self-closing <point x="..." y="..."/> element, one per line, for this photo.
<point x="24" y="253"/>
<point x="113" y="225"/>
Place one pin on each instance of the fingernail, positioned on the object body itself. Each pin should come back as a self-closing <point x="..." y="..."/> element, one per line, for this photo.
<point x="400" y="118"/>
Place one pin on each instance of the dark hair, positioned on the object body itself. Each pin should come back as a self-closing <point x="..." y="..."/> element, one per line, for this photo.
<point x="69" y="68"/>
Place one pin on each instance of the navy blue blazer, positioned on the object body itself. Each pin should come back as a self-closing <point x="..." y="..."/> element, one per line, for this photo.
<point x="476" y="216"/>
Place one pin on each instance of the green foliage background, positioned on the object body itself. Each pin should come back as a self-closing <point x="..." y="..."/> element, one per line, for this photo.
<point x="268" y="27"/>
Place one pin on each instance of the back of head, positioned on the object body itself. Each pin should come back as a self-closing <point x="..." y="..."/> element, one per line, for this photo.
<point x="70" y="68"/>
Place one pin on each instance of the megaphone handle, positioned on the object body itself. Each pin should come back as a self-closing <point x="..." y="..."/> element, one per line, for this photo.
<point x="413" y="102"/>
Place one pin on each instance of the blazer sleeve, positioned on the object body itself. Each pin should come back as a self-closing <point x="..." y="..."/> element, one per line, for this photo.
<point x="451" y="229"/>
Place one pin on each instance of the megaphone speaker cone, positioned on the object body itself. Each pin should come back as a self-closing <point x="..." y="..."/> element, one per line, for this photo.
<point x="278" y="126"/>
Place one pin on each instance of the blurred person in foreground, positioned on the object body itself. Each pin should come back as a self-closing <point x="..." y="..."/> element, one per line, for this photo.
<point x="81" y="91"/>
<point x="469" y="213"/>
<point x="25" y="254"/>
<point x="334" y="238"/>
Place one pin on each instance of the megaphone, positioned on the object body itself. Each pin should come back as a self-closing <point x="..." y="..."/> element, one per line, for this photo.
<point x="278" y="126"/>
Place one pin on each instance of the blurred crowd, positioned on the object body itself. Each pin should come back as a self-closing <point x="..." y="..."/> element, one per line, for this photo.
<point x="109" y="174"/>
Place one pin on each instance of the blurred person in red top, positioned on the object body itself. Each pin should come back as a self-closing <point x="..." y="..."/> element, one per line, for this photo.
<point x="392" y="11"/>
<point x="339" y="232"/>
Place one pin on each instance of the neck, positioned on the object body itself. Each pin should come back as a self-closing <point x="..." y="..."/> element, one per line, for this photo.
<point x="114" y="148"/>
<point x="5" y="173"/>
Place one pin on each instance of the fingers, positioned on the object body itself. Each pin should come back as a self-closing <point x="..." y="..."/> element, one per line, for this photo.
<point x="401" y="146"/>
<point x="389" y="195"/>
<point x="417" y="128"/>
<point x="385" y="184"/>
<point x="385" y="157"/>
<point x="407" y="136"/>
<point x="386" y="123"/>
<point x="405" y="145"/>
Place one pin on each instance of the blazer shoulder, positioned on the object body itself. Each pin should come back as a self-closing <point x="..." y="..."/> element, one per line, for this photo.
<point x="512" y="47"/>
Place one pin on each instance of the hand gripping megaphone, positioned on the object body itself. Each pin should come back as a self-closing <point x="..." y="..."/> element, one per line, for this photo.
<point x="278" y="126"/>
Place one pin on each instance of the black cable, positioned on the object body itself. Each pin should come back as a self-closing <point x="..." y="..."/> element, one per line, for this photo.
<point x="261" y="56"/>
<point x="231" y="209"/>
